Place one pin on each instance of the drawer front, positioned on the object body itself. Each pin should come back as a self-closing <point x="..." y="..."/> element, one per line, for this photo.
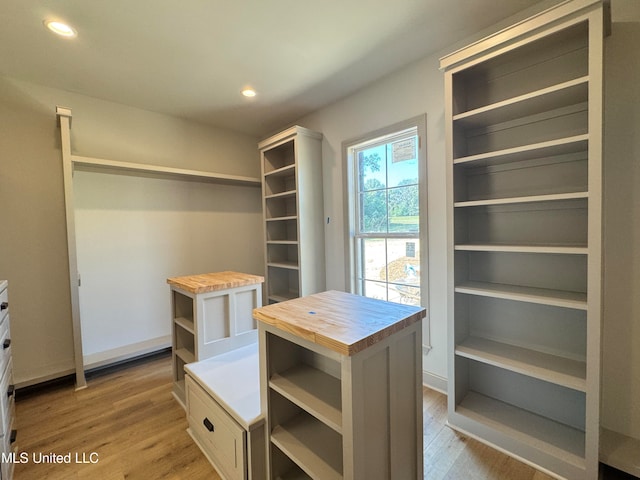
<point x="4" y="303"/>
<point x="5" y="343"/>
<point x="7" y="400"/>
<point x="219" y="434"/>
<point x="7" y="446"/>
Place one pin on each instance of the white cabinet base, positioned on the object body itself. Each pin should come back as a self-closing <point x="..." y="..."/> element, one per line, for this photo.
<point x="223" y="410"/>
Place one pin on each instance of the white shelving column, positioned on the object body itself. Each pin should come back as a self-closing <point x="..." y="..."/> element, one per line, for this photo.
<point x="524" y="147"/>
<point x="293" y="214"/>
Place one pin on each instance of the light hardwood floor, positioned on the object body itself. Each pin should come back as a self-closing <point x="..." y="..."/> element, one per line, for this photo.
<point x="130" y="419"/>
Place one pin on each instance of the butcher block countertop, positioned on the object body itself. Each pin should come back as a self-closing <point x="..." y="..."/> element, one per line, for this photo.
<point x="342" y="322"/>
<point x="209" y="282"/>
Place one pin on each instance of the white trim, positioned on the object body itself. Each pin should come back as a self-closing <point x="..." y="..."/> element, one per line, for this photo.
<point x="434" y="382"/>
<point x="126" y="352"/>
<point x="384" y="135"/>
<point x="64" y="121"/>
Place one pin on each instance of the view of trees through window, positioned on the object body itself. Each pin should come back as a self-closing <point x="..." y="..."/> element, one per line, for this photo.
<point x="387" y="229"/>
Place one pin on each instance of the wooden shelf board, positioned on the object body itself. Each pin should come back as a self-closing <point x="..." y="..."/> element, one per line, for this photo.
<point x="550" y="368"/>
<point x="178" y="173"/>
<point x="620" y="451"/>
<point x="528" y="199"/>
<point x="550" y="98"/>
<point x="316" y="449"/>
<point x="280" y="219"/>
<point x="554" y="438"/>
<point x="185" y="323"/>
<point x="186" y="355"/>
<point x="288" y="193"/>
<point x="287" y="265"/>
<point x="557" y="298"/>
<point x="294" y="474"/>
<point x="550" y="148"/>
<point x="555" y="249"/>
<point x="283" y="297"/>
<point x="314" y="391"/>
<point x="282" y="242"/>
<point x="282" y="171"/>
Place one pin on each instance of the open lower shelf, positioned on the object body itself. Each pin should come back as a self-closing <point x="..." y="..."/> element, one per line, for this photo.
<point x="185" y="323"/>
<point x="282" y="297"/>
<point x="556" y="298"/>
<point x="495" y="247"/>
<point x="551" y="148"/>
<point x="564" y="94"/>
<point x="312" y="390"/>
<point x="551" y="368"/>
<point x="553" y="438"/>
<point x="186" y="355"/>
<point x="528" y="199"/>
<point x="315" y="448"/>
<point x="294" y="475"/>
<point x="287" y="265"/>
<point x="620" y="451"/>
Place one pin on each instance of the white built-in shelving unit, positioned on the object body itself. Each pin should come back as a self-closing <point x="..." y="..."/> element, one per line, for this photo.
<point x="210" y="315"/>
<point x="524" y="147"/>
<point x="293" y="214"/>
<point x="72" y="163"/>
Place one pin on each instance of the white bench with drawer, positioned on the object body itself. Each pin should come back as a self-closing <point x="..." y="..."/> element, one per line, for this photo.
<point x="224" y="414"/>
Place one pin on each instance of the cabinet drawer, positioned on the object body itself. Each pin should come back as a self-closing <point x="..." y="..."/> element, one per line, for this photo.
<point x="5" y="343"/>
<point x="4" y="303"/>
<point x="8" y="446"/>
<point x="7" y="402"/>
<point x="222" y="439"/>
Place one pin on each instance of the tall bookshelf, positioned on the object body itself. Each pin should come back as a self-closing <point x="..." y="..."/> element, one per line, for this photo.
<point x="524" y="148"/>
<point x="293" y="214"/>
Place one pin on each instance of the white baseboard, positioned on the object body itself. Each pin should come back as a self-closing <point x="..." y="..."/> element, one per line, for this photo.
<point x="100" y="359"/>
<point x="434" y="382"/>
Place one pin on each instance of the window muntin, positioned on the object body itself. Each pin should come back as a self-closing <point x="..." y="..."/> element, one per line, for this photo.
<point x="386" y="231"/>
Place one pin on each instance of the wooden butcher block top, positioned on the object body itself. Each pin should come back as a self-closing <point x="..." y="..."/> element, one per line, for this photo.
<point x="342" y="322"/>
<point x="209" y="282"/>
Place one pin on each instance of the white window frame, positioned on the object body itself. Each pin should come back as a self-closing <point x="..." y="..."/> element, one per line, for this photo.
<point x="382" y="136"/>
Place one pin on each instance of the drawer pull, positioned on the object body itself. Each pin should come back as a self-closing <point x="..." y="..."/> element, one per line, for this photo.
<point x="207" y="423"/>
<point x="4" y="305"/>
<point x="11" y="390"/>
<point x="14" y="435"/>
<point x="6" y="344"/>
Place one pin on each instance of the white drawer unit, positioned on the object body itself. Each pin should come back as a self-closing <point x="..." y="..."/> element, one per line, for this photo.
<point x="7" y="401"/>
<point x="223" y="410"/>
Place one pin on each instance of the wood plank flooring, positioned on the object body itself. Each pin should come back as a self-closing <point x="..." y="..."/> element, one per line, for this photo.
<point x="129" y="418"/>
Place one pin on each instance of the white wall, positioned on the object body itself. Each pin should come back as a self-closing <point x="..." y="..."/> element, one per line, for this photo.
<point x="133" y="233"/>
<point x="409" y="93"/>
<point x="33" y="237"/>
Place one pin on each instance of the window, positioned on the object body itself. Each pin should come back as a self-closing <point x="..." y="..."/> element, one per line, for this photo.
<point x="387" y="214"/>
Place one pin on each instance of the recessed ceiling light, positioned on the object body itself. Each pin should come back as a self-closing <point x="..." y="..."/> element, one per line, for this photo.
<point x="60" y="28"/>
<point x="249" y="92"/>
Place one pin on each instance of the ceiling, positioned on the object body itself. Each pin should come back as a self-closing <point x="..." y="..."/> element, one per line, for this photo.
<point x="191" y="58"/>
